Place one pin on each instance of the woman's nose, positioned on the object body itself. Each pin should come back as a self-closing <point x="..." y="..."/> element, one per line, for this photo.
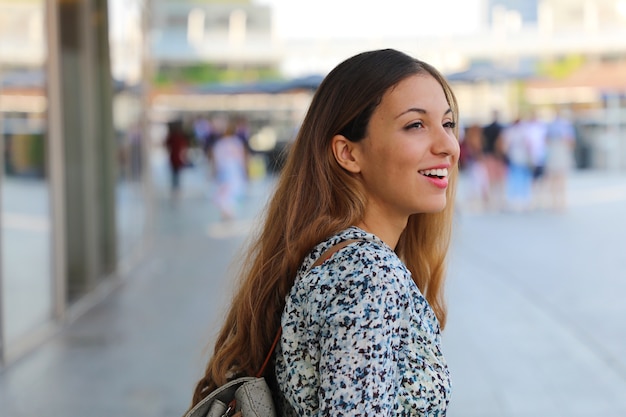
<point x="446" y="143"/>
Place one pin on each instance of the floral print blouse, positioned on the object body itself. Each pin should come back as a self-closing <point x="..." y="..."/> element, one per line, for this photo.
<point x="359" y="338"/>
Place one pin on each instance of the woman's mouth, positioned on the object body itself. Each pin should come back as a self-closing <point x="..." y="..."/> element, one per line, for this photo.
<point x="440" y="173"/>
<point x="436" y="176"/>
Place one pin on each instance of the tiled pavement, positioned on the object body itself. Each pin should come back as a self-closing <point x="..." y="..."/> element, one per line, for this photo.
<point x="536" y="316"/>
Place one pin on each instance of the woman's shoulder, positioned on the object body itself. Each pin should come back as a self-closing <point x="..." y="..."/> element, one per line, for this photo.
<point x="355" y="245"/>
<point x="365" y="276"/>
<point x="365" y="262"/>
<point x="365" y="256"/>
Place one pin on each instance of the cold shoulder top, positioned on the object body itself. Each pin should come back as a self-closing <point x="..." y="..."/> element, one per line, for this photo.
<point x="359" y="338"/>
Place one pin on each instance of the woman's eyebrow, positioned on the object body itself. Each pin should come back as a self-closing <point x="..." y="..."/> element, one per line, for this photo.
<point x="420" y="111"/>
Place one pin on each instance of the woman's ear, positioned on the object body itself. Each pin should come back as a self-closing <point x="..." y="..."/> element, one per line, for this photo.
<point x="344" y="151"/>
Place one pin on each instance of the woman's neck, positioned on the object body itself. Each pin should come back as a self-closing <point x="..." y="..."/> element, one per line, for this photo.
<point x="385" y="231"/>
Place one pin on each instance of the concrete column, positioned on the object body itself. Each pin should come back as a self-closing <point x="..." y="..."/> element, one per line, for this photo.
<point x="88" y="143"/>
<point x="56" y="172"/>
<point x="106" y="140"/>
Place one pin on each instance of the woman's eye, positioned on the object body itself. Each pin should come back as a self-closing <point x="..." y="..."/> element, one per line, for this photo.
<point x="449" y="125"/>
<point x="415" y="125"/>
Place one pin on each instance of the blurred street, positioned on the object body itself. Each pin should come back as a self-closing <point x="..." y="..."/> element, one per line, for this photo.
<point x="536" y="310"/>
<point x="535" y="328"/>
<point x="118" y="247"/>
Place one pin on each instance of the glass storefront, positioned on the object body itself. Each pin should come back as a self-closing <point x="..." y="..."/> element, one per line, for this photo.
<point x="73" y="205"/>
<point x="126" y="44"/>
<point x="25" y="215"/>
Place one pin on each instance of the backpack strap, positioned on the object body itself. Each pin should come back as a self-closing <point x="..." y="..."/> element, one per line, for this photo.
<point x="270" y="353"/>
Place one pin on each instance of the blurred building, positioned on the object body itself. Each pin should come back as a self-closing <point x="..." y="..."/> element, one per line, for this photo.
<point x="216" y="57"/>
<point x="529" y="54"/>
<point x="225" y="34"/>
<point x="512" y="12"/>
<point x="589" y="16"/>
<point x="499" y="66"/>
<point x="79" y="93"/>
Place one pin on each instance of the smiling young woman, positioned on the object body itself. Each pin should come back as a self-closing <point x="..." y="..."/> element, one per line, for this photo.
<point x="405" y="157"/>
<point x="350" y="260"/>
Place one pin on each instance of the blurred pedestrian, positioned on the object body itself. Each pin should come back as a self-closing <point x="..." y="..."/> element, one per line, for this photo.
<point x="518" y="147"/>
<point x="202" y="131"/>
<point x="492" y="132"/>
<point x="242" y="131"/>
<point x="176" y="143"/>
<point x="350" y="259"/>
<point x="536" y="133"/>
<point x="561" y="140"/>
<point x="495" y="161"/>
<point x="229" y="159"/>
<point x="218" y="124"/>
<point x="476" y="168"/>
<point x="135" y="150"/>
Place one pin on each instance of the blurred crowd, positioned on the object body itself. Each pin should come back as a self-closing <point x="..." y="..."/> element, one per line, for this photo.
<point x="222" y="144"/>
<point x="518" y="166"/>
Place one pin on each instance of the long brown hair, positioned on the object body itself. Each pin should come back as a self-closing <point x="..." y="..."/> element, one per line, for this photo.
<point x="315" y="198"/>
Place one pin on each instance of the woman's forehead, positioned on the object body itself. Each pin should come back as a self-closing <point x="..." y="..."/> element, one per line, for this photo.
<point x="420" y="91"/>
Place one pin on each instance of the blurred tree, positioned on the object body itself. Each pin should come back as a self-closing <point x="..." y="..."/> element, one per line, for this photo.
<point x="562" y="67"/>
<point x="204" y="73"/>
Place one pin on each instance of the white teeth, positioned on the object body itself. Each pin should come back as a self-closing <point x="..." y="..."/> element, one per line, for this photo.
<point x="441" y="172"/>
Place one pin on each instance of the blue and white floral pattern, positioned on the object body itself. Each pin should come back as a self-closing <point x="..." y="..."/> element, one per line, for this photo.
<point x="359" y="338"/>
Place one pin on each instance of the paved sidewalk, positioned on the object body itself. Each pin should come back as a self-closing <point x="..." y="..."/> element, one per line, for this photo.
<point x="536" y="322"/>
<point x="536" y="310"/>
